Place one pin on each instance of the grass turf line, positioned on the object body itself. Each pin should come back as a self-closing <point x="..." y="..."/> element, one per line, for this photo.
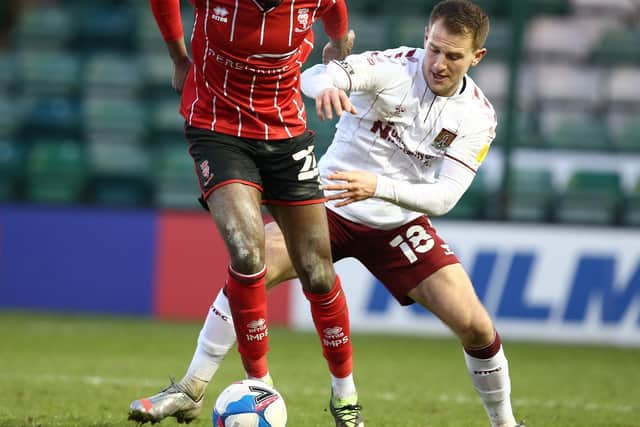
<point x="67" y="371"/>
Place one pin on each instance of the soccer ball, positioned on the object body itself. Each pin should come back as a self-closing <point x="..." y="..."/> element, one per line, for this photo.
<point x="249" y="403"/>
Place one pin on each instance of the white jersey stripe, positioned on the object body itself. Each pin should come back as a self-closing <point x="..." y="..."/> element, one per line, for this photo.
<point x="233" y="21"/>
<point x="224" y="85"/>
<point x="291" y="22"/>
<point x="275" y="104"/>
<point x="264" y="22"/>
<point x="193" y="104"/>
<point x="213" y="122"/>
<point x="253" y="82"/>
<point x="239" y="120"/>
<point x="313" y="15"/>
<point x="300" y="111"/>
<point x="266" y="131"/>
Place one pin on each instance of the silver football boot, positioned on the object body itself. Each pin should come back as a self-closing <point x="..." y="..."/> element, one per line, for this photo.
<point x="173" y="401"/>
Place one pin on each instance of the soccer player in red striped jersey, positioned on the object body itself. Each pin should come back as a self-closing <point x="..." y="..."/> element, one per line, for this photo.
<point x="245" y="124"/>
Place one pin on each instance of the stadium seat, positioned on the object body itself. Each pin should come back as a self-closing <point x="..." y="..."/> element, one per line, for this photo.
<point x="552" y="39"/>
<point x="623" y="88"/>
<point x="620" y="46"/>
<point x="473" y="204"/>
<point x="56" y="172"/>
<point x="566" y="86"/>
<point x="608" y="8"/>
<point x="499" y="40"/>
<point x="11" y="166"/>
<point x="576" y="131"/>
<point x="591" y="197"/>
<point x="175" y="183"/>
<point x="111" y="74"/>
<point x="55" y="73"/>
<point x="530" y="196"/>
<point x="372" y="33"/>
<point x="165" y="121"/>
<point x="121" y="173"/>
<point x="629" y="137"/>
<point x="156" y="72"/>
<point x="7" y="72"/>
<point x="631" y="214"/>
<point x="105" y="27"/>
<point x="49" y="27"/>
<point x="118" y="115"/>
<point x="11" y="115"/>
<point x="53" y="117"/>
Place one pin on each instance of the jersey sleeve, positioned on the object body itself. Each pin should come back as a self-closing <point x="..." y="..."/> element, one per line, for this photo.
<point x="471" y="148"/>
<point x="335" y="20"/>
<point x="168" y="18"/>
<point x="362" y="72"/>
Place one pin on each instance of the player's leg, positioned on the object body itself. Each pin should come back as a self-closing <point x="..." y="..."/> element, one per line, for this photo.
<point x="305" y="232"/>
<point x="449" y="294"/>
<point x="295" y="200"/>
<point x="416" y="265"/>
<point x="239" y="204"/>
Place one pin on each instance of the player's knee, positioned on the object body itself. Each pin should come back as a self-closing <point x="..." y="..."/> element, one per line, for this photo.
<point x="319" y="277"/>
<point x="477" y="332"/>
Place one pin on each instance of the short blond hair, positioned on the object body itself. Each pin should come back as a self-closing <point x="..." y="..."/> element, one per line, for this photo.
<point x="462" y="17"/>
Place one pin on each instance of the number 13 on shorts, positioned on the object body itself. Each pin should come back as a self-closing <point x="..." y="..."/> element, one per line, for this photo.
<point x="415" y="240"/>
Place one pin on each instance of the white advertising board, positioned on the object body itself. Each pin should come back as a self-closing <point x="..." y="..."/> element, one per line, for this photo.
<point x="543" y="283"/>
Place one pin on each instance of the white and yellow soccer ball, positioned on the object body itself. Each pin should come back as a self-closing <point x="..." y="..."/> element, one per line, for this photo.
<point x="249" y="403"/>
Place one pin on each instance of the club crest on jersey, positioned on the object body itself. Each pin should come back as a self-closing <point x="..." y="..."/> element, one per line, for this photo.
<point x="303" y="20"/>
<point x="220" y="14"/>
<point x="443" y="139"/>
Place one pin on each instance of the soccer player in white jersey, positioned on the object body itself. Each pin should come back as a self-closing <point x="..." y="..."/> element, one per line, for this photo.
<point x="415" y="132"/>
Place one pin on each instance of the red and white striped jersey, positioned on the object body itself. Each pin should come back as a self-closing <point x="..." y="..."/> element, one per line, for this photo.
<point x="402" y="130"/>
<point x="246" y="67"/>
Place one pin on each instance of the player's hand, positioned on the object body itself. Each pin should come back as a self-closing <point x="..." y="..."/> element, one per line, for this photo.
<point x="180" y="70"/>
<point x="353" y="186"/>
<point x="333" y="99"/>
<point x="338" y="49"/>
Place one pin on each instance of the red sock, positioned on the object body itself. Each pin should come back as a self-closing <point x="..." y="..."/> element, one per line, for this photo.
<point x="248" y="302"/>
<point x="331" y="317"/>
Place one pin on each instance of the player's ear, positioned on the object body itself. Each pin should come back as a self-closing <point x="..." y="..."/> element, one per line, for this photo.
<point x="478" y="55"/>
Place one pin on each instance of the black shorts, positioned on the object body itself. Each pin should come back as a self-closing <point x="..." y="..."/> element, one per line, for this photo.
<point x="284" y="170"/>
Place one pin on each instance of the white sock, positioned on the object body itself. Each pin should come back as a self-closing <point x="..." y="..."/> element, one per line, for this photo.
<point x="343" y="387"/>
<point x="490" y="377"/>
<point x="216" y="338"/>
<point x="266" y="379"/>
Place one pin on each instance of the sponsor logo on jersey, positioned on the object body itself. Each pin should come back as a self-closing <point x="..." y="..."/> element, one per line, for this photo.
<point x="303" y="20"/>
<point x="444" y="139"/>
<point x="246" y="66"/>
<point x="220" y="14"/>
<point x="390" y="133"/>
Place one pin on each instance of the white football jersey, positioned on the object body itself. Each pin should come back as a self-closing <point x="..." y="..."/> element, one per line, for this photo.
<point x="402" y="130"/>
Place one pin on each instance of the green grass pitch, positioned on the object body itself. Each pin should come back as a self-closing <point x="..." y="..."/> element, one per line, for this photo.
<point x="61" y="370"/>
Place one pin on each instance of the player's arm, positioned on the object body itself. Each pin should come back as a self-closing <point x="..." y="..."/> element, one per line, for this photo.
<point x="336" y="23"/>
<point x="169" y="20"/>
<point x="328" y="84"/>
<point x="457" y="172"/>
